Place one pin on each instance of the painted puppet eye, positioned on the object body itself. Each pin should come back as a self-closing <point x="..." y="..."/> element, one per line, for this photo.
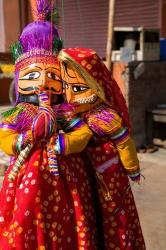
<point x="31" y="76"/>
<point x="79" y="88"/>
<point x="53" y="76"/>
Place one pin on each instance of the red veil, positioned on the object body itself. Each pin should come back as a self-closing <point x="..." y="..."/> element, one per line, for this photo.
<point x="98" y="77"/>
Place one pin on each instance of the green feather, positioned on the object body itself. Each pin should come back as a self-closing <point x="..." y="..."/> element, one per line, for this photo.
<point x="12" y="111"/>
<point x="16" y="50"/>
<point x="57" y="44"/>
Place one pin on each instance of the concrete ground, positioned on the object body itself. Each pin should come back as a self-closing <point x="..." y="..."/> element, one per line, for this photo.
<point x="150" y="199"/>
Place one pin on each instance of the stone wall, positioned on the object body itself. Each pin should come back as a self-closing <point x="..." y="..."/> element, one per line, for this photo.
<point x="143" y="94"/>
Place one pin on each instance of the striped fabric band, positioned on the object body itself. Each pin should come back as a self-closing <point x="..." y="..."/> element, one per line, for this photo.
<point x="120" y="134"/>
<point x="43" y="98"/>
<point x="57" y="147"/>
<point x="44" y="109"/>
<point x="19" y="142"/>
<point x="52" y="162"/>
<point x="75" y="123"/>
<point x="8" y="126"/>
<point x="133" y="172"/>
<point x="61" y="142"/>
<point x="102" y="168"/>
<point x="135" y="176"/>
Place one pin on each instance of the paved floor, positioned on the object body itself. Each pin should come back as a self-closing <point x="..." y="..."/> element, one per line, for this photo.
<point x="150" y="198"/>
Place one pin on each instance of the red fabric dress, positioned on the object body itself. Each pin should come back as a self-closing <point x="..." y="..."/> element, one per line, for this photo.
<point x="42" y="211"/>
<point x="121" y="226"/>
<point x="111" y="142"/>
<point x="120" y="221"/>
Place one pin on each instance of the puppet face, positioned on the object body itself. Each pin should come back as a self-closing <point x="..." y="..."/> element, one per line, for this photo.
<point x="77" y="90"/>
<point x="40" y="76"/>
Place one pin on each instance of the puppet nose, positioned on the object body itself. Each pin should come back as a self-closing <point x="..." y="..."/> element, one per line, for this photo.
<point x="43" y="81"/>
<point x="69" y="95"/>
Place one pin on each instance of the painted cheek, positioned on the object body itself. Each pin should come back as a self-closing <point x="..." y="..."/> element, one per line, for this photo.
<point x="85" y="94"/>
<point x="57" y="86"/>
<point x="27" y="84"/>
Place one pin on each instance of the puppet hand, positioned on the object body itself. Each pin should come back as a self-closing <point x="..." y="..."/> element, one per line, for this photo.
<point x="135" y="177"/>
<point x="43" y="125"/>
<point x="66" y="116"/>
<point x="53" y="144"/>
<point x="23" y="140"/>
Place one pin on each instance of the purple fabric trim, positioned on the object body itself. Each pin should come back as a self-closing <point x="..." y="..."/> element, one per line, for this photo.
<point x="102" y="114"/>
<point x="121" y="138"/>
<point x="64" y="107"/>
<point x="24" y="121"/>
<point x="75" y="123"/>
<point x="44" y="109"/>
<point x="61" y="139"/>
<point x="8" y="126"/>
<point x="52" y="158"/>
<point x="34" y="125"/>
<point x="79" y="124"/>
<point x="135" y="177"/>
<point x="49" y="124"/>
<point x="95" y="128"/>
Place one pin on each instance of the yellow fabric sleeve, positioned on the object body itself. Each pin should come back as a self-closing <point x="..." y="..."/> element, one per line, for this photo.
<point x="128" y="155"/>
<point x="7" y="138"/>
<point x="114" y="125"/>
<point x="119" y="134"/>
<point x="76" y="141"/>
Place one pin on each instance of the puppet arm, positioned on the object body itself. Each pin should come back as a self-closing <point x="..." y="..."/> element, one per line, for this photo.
<point x="111" y="125"/>
<point x="128" y="156"/>
<point x="11" y="141"/>
<point x="8" y="138"/>
<point x="74" y="141"/>
<point x="76" y="133"/>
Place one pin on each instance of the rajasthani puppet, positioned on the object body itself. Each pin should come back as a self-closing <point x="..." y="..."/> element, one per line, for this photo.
<point x="97" y="98"/>
<point x="46" y="201"/>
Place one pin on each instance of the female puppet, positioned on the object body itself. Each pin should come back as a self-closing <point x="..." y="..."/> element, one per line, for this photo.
<point x="96" y="96"/>
<point x="46" y="202"/>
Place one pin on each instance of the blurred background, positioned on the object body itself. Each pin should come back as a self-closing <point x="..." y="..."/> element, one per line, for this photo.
<point x="130" y="37"/>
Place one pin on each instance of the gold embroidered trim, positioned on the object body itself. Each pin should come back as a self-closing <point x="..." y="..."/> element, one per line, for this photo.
<point x="36" y="52"/>
<point x="38" y="59"/>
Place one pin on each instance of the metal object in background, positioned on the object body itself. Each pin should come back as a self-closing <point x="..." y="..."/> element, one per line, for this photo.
<point x="143" y="44"/>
